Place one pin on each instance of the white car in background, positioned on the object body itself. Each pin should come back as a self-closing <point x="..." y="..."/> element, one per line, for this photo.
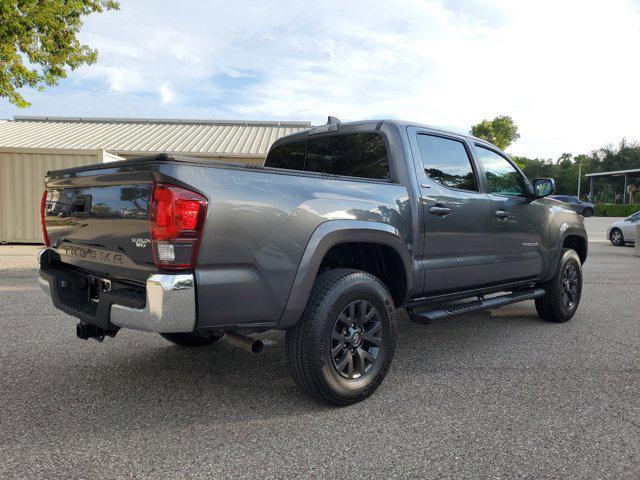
<point x="624" y="231"/>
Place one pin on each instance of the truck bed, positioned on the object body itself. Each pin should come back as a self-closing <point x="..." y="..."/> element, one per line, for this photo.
<point x="258" y="223"/>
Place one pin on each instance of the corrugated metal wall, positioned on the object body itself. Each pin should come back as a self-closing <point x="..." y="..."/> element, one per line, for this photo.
<point x="21" y="185"/>
<point x="223" y="138"/>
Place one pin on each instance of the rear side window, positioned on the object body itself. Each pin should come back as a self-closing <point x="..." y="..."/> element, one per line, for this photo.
<point x="289" y="156"/>
<point x="354" y="154"/>
<point x="447" y="162"/>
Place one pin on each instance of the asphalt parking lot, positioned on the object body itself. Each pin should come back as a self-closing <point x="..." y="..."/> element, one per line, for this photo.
<point x="496" y="394"/>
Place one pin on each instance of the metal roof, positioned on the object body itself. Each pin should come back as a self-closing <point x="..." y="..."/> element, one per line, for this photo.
<point x="614" y="173"/>
<point x="131" y="136"/>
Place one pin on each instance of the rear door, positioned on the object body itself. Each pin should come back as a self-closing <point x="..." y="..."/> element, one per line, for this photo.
<point x="457" y="217"/>
<point x="519" y="224"/>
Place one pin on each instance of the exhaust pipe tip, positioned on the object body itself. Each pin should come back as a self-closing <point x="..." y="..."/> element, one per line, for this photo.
<point x="257" y="346"/>
<point x="248" y="344"/>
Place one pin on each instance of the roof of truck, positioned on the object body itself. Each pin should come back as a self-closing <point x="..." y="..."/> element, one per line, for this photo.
<point x="371" y="125"/>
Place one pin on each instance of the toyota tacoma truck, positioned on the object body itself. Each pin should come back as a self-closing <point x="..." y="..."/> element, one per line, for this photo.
<point x="344" y="224"/>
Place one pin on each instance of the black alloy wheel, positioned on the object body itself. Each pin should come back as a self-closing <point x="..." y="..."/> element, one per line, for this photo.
<point x="569" y="287"/>
<point x="342" y="347"/>
<point x="563" y="290"/>
<point x="356" y="340"/>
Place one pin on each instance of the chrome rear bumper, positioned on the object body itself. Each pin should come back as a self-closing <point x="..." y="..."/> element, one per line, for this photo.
<point x="170" y="305"/>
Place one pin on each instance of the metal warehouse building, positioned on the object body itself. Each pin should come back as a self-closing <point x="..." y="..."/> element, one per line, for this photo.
<point x="31" y="146"/>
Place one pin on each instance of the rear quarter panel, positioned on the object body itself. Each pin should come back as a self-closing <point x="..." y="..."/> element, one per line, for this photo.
<point x="258" y="226"/>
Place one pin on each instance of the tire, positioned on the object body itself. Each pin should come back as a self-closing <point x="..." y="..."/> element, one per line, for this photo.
<point x="563" y="291"/>
<point x="342" y="347"/>
<point x="588" y="212"/>
<point x="616" y="237"/>
<point x="190" y="339"/>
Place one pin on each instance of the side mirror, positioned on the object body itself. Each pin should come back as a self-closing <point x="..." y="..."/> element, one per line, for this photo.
<point x="543" y="187"/>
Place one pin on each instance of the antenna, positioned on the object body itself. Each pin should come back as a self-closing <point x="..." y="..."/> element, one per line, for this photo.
<point x="331" y="120"/>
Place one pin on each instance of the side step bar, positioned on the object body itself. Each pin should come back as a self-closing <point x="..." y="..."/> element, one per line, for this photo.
<point x="477" y="305"/>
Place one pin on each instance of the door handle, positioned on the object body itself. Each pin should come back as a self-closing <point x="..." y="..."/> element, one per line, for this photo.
<point x="502" y="214"/>
<point x="440" y="210"/>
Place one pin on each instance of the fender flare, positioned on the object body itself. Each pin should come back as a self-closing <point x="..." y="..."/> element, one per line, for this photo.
<point x="326" y="236"/>
<point x="565" y="231"/>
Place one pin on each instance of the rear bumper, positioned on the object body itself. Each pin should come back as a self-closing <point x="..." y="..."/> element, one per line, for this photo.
<point x="168" y="306"/>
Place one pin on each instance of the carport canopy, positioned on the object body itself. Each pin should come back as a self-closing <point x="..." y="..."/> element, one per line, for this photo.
<point x="627" y="174"/>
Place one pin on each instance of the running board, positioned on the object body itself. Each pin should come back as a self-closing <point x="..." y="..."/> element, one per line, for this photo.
<point x="477" y="305"/>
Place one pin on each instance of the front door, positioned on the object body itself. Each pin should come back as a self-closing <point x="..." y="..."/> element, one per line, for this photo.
<point x="457" y="216"/>
<point x="519" y="222"/>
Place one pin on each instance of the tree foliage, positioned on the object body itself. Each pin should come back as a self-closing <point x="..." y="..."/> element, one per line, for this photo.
<point x="624" y="156"/>
<point x="501" y="131"/>
<point x="38" y="42"/>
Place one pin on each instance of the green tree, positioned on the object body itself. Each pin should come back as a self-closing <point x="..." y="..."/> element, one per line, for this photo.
<point x="38" y="42"/>
<point x="501" y="131"/>
<point x="565" y="170"/>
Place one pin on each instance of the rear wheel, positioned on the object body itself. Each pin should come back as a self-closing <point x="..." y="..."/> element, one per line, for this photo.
<point x="190" y="339"/>
<point x="616" y="237"/>
<point x="563" y="291"/>
<point x="341" y="348"/>
<point x="588" y="212"/>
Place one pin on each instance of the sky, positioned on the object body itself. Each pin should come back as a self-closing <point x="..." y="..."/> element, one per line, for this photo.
<point x="566" y="71"/>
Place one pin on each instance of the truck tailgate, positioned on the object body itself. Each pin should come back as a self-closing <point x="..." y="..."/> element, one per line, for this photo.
<point x="98" y="220"/>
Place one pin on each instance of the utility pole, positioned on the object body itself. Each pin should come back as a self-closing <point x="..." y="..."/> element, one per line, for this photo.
<point x="579" y="177"/>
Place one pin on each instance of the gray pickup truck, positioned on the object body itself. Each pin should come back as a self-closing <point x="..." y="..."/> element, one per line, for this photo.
<point x="345" y="224"/>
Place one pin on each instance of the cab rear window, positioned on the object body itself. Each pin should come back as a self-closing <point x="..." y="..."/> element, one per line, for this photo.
<point x="354" y="154"/>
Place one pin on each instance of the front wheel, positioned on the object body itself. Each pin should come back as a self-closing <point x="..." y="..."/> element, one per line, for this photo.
<point x="563" y="291"/>
<point x="588" y="212"/>
<point x="190" y="339"/>
<point x="341" y="348"/>
<point x="616" y="237"/>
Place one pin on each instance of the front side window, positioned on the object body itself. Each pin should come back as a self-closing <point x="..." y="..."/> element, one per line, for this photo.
<point x="502" y="177"/>
<point x="353" y="154"/>
<point x="446" y="161"/>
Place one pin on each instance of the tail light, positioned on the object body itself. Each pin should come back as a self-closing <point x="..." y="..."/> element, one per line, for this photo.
<point x="43" y="207"/>
<point x="177" y="219"/>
